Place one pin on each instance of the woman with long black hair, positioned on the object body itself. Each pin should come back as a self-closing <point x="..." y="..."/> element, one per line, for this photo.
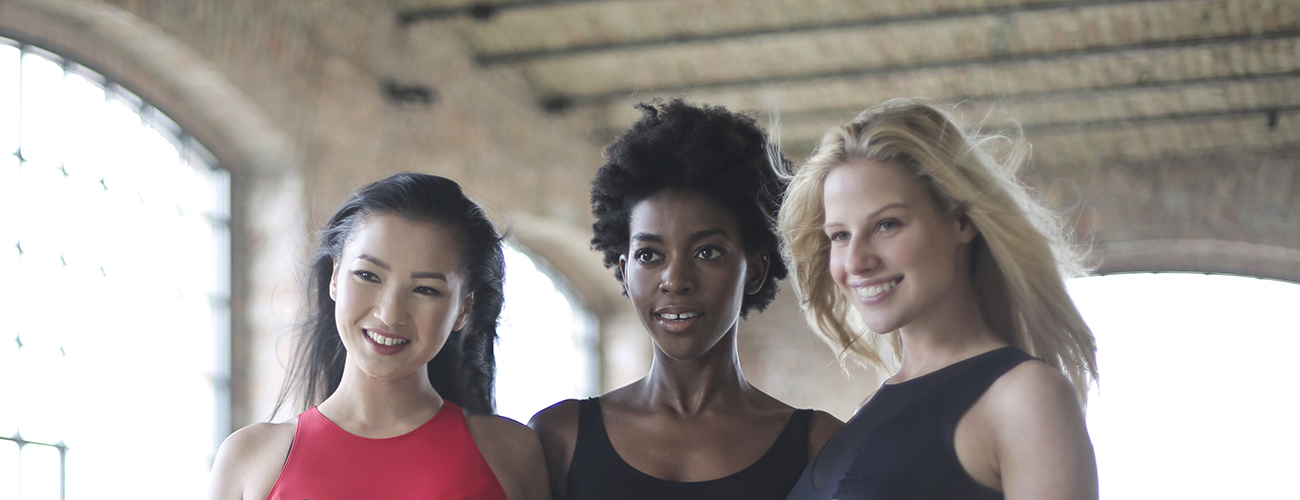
<point x="395" y="364"/>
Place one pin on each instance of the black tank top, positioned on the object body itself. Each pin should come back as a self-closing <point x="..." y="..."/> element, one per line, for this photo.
<point x="598" y="473"/>
<point x="900" y="444"/>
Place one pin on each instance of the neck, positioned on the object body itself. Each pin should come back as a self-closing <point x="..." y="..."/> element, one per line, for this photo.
<point x="945" y="336"/>
<point x="696" y="385"/>
<point x="368" y="403"/>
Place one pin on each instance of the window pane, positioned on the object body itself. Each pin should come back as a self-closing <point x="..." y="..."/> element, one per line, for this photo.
<point x="8" y="385"/>
<point x="42" y="109"/>
<point x="41" y="394"/>
<point x="40" y="470"/>
<point x="8" y="466"/>
<point x="9" y="78"/>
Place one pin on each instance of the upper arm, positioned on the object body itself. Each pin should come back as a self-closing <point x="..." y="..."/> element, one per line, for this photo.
<point x="557" y="428"/>
<point x="1042" y="444"/>
<point x="820" y="429"/>
<point x="249" y="461"/>
<point x="514" y="455"/>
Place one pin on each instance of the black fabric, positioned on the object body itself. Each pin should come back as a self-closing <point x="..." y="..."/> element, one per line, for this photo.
<point x="598" y="473"/>
<point x="900" y="444"/>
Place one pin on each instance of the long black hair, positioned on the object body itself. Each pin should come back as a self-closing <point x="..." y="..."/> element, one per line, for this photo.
<point x="463" y="371"/>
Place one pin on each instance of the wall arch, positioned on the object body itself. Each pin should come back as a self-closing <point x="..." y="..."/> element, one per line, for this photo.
<point x="1201" y="256"/>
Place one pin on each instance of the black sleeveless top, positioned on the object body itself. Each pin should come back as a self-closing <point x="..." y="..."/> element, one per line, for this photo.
<point x="900" y="444"/>
<point x="598" y="473"/>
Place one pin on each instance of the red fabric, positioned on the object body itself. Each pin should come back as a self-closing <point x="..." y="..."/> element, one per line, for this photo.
<point x="437" y="460"/>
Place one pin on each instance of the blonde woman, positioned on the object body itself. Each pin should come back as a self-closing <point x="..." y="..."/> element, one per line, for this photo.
<point x="906" y="222"/>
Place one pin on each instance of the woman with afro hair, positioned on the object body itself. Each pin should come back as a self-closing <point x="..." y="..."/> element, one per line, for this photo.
<point x="685" y="210"/>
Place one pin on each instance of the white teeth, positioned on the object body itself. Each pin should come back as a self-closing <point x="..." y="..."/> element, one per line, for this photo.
<point x="380" y="339"/>
<point x="671" y="316"/>
<point x="874" y="290"/>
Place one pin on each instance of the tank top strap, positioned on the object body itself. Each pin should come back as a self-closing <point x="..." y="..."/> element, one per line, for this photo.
<point x="955" y="391"/>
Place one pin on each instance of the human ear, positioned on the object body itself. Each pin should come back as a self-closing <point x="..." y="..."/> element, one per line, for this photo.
<point x="756" y="272"/>
<point x="622" y="271"/>
<point x="334" y="286"/>
<point x="466" y="306"/>
<point x="966" y="230"/>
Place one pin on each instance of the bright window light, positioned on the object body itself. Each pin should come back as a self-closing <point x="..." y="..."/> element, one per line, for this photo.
<point x="548" y="348"/>
<point x="1197" y="393"/>
<point x="114" y="247"/>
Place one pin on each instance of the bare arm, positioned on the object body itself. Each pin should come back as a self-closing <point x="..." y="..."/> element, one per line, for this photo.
<point x="513" y="453"/>
<point x="557" y="427"/>
<point x="1041" y="441"/>
<point x="250" y="460"/>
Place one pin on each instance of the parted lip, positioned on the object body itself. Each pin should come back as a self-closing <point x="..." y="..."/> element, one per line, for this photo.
<point x="385" y="334"/>
<point x="674" y="309"/>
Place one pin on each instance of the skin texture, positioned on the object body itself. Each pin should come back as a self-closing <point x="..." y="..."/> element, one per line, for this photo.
<point x="694" y="417"/>
<point x="399" y="278"/>
<point x="1026" y="435"/>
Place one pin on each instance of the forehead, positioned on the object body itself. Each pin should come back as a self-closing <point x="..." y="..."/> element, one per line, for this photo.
<point x="680" y="213"/>
<point x="867" y="185"/>
<point x="401" y="241"/>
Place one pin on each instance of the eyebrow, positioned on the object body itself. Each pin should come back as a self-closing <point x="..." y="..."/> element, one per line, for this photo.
<point x="384" y="265"/>
<point x="875" y="214"/>
<point x="696" y="236"/>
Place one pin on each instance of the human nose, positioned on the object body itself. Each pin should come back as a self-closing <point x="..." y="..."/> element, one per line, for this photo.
<point x="391" y="310"/>
<point x="861" y="258"/>
<point x="678" y="277"/>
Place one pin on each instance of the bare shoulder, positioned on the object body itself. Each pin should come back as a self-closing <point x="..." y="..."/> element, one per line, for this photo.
<point x="820" y="429"/>
<point x="513" y="453"/>
<point x="249" y="460"/>
<point x="1040" y="435"/>
<point x="1033" y="387"/>
<point x="559" y="419"/>
<point x="557" y="428"/>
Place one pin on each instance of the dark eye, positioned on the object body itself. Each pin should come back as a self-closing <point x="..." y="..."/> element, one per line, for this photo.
<point x="710" y="253"/>
<point x="428" y="290"/>
<point x="888" y="225"/>
<point x="646" y="256"/>
<point x="366" y="276"/>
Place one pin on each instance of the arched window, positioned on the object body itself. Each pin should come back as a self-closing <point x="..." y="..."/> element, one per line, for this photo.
<point x="115" y="252"/>
<point x="548" y="349"/>
<point x="1197" y="397"/>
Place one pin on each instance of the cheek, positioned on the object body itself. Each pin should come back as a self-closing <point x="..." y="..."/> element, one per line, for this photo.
<point x="836" y="264"/>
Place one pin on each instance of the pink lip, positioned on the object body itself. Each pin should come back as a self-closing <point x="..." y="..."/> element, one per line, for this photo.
<point x="386" y="350"/>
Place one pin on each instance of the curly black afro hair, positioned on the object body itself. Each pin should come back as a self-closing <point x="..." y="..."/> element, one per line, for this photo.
<point x="709" y="150"/>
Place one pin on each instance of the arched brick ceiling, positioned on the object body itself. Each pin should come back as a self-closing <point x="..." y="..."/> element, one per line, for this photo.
<point x="1161" y="121"/>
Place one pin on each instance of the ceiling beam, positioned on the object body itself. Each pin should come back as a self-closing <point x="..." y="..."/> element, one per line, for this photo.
<point x="1159" y="46"/>
<point x="481" y="10"/>
<point x="795" y="29"/>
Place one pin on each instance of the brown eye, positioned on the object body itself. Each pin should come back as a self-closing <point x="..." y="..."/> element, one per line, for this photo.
<point x="710" y="253"/>
<point x="646" y="256"/>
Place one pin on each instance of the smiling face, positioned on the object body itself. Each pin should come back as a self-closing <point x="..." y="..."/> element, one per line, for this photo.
<point x="686" y="271"/>
<point x="894" y="255"/>
<point x="398" y="294"/>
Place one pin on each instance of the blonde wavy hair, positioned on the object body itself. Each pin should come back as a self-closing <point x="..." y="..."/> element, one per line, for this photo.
<point x="1019" y="260"/>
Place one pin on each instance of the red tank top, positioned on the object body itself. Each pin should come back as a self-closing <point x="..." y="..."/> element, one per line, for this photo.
<point x="435" y="461"/>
